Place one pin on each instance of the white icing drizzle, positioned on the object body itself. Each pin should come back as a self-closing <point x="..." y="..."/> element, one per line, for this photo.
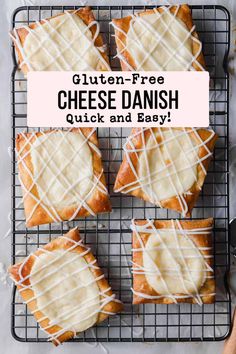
<point x="176" y="229"/>
<point x="48" y="35"/>
<point x="171" y="48"/>
<point x="152" y="297"/>
<point x="167" y="170"/>
<point x="66" y="314"/>
<point x="48" y="207"/>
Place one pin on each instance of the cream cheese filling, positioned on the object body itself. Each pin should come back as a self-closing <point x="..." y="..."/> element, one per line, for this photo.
<point x="68" y="300"/>
<point x="168" y="165"/>
<point x="171" y="266"/>
<point x="159" y="42"/>
<point x="62" y="43"/>
<point x="62" y="168"/>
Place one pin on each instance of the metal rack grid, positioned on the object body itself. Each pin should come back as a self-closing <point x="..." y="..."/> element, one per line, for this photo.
<point x="109" y="235"/>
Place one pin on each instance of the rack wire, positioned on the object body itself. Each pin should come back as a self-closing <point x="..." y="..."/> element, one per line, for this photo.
<point x="109" y="235"/>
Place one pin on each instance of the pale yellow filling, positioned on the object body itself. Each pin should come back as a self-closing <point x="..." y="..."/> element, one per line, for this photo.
<point x="156" y="48"/>
<point x="60" y="45"/>
<point x="71" y="309"/>
<point x="170" y="168"/>
<point x="180" y="264"/>
<point x="62" y="168"/>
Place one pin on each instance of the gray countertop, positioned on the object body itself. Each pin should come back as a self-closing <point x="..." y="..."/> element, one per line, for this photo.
<point x="8" y="344"/>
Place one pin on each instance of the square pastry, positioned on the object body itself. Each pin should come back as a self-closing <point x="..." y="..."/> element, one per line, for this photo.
<point x="162" y="39"/>
<point x="172" y="262"/>
<point x="64" y="288"/>
<point x="69" y="41"/>
<point x="61" y="175"/>
<point x="166" y="166"/>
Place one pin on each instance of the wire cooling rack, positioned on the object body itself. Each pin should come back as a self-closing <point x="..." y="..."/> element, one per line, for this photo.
<point x="109" y="235"/>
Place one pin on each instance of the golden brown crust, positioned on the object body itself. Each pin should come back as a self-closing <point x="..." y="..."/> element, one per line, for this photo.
<point x="98" y="201"/>
<point x="61" y="244"/>
<point x="140" y="283"/>
<point x="85" y="13"/>
<point x="184" y="14"/>
<point x="125" y="175"/>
